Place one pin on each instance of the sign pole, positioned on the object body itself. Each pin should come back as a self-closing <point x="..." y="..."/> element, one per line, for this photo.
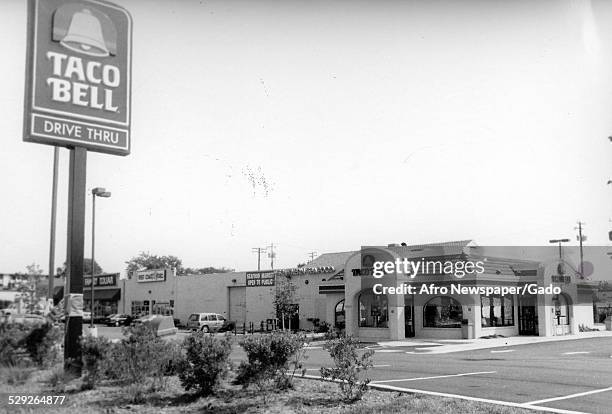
<point x="53" y="215"/>
<point x="74" y="259"/>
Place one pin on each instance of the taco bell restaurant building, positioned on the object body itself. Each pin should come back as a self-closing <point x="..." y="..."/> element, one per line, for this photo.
<point x="452" y="315"/>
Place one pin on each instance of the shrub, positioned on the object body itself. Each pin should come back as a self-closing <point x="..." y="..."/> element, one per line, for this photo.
<point x="271" y="358"/>
<point x="11" y="339"/>
<point x="349" y="362"/>
<point x="206" y="362"/>
<point x="43" y="344"/>
<point x="96" y="352"/>
<point x="140" y="357"/>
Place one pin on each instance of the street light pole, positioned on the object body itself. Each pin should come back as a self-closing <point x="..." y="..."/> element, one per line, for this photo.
<point x="96" y="192"/>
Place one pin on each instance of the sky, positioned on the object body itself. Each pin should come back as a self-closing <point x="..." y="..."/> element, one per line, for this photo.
<point x="327" y="125"/>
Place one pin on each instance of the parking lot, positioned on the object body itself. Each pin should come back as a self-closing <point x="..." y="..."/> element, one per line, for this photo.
<point x="563" y="377"/>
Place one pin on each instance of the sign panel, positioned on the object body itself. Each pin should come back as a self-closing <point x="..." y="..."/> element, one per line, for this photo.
<point x="78" y="79"/>
<point x="102" y="280"/>
<point x="260" y="278"/>
<point x="158" y="275"/>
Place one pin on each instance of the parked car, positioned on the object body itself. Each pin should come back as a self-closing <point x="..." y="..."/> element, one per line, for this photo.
<point x="119" y="319"/>
<point x="205" y="322"/>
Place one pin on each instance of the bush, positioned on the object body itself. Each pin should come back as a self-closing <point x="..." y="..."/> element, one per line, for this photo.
<point x="271" y="358"/>
<point x="140" y="357"/>
<point x="11" y="340"/>
<point x="43" y="344"/>
<point x="206" y="362"/>
<point x="96" y="353"/>
<point x="348" y="364"/>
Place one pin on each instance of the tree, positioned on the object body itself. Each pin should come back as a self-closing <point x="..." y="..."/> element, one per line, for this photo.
<point x="284" y="296"/>
<point x="30" y="294"/>
<point x="205" y="270"/>
<point x="146" y="261"/>
<point x="61" y="271"/>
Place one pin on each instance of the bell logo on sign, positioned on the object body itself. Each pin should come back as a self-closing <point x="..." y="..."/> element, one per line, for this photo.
<point x="84" y="34"/>
<point x="78" y="87"/>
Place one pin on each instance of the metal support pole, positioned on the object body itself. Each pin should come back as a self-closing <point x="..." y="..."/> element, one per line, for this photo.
<point x="52" y="231"/>
<point x="74" y="260"/>
<point x="93" y="260"/>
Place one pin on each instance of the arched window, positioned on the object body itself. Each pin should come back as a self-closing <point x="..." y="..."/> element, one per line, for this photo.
<point x="373" y="310"/>
<point x="339" y="315"/>
<point x="442" y="312"/>
<point x="561" y="305"/>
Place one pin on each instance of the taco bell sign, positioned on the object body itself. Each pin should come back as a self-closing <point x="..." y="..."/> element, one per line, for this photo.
<point x="78" y="78"/>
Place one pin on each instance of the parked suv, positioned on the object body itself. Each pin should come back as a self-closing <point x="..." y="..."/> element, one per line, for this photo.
<point x="206" y="322"/>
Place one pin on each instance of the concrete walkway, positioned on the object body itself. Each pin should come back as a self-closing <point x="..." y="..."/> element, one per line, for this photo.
<point x="446" y="346"/>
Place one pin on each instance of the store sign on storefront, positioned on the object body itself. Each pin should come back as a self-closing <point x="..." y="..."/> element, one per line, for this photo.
<point x="260" y="278"/>
<point x="79" y="75"/>
<point x="151" y="275"/>
<point x="294" y="271"/>
<point x="102" y="280"/>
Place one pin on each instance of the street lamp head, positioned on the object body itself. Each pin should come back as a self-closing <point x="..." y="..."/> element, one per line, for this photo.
<point x="98" y="190"/>
<point x="105" y="194"/>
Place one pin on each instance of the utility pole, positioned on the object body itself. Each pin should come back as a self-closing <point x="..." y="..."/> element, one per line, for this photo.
<point x="581" y="238"/>
<point x="312" y="255"/>
<point x="258" y="251"/>
<point x="271" y="255"/>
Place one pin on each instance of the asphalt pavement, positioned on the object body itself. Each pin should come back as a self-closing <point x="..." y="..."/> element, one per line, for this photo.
<point x="565" y="376"/>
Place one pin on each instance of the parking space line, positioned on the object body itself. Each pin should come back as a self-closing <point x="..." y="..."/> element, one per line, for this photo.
<point x="434" y="377"/>
<point x="579" y="394"/>
<point x="576" y="352"/>
<point x="477" y="399"/>
<point x="384" y="387"/>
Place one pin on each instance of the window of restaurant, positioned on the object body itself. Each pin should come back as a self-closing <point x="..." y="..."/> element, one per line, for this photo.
<point x="442" y="312"/>
<point x="496" y="310"/>
<point x="373" y="310"/>
<point x="339" y="315"/>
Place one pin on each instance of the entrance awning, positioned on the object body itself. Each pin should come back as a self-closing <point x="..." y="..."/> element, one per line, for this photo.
<point x="106" y="294"/>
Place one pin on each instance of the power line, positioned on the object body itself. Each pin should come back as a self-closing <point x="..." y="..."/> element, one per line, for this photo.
<point x="258" y="251"/>
<point x="312" y="255"/>
<point x="271" y="255"/>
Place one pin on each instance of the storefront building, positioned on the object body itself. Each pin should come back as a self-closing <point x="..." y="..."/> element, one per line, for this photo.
<point x="339" y="289"/>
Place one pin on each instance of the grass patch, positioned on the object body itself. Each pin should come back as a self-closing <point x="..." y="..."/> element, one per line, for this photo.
<point x="308" y="397"/>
